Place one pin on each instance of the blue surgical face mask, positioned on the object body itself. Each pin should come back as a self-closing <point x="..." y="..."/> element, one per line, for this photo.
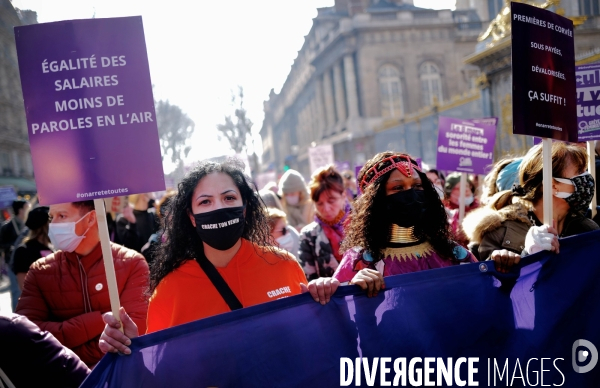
<point x="286" y="242"/>
<point x="469" y="200"/>
<point x="63" y="236"/>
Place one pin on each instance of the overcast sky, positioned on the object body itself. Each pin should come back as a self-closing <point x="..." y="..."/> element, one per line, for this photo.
<point x="199" y="51"/>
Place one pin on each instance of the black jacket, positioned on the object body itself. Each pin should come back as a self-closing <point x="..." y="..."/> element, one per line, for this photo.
<point x="31" y="357"/>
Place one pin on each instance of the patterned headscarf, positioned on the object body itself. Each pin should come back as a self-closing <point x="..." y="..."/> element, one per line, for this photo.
<point x="401" y="162"/>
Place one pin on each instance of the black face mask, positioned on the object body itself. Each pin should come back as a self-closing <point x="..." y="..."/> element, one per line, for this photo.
<point x="221" y="228"/>
<point x="406" y="208"/>
<point x="581" y="198"/>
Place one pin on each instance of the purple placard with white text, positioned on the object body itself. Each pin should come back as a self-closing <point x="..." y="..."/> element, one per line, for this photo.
<point x="588" y="101"/>
<point x="90" y="110"/>
<point x="465" y="146"/>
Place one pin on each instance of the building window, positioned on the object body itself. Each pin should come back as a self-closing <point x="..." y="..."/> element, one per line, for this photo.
<point x="390" y="88"/>
<point x="494" y="8"/>
<point x="5" y="164"/>
<point x="589" y="7"/>
<point x="431" y="83"/>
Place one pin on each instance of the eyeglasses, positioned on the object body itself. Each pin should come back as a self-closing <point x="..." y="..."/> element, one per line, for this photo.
<point x="283" y="231"/>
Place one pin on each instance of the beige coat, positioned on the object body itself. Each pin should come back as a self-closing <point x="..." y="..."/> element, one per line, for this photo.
<point x="489" y="229"/>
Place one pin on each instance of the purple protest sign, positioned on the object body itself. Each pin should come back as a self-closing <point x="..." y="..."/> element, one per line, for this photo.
<point x="464" y="145"/>
<point x="419" y="162"/>
<point x="342" y="166"/>
<point x="486" y="120"/>
<point x="90" y="110"/>
<point x="543" y="74"/>
<point x="7" y="196"/>
<point x="588" y="101"/>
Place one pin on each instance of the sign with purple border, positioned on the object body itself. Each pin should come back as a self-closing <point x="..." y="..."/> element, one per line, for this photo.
<point x="90" y="110"/>
<point x="465" y="146"/>
<point x="543" y="73"/>
<point x="588" y="101"/>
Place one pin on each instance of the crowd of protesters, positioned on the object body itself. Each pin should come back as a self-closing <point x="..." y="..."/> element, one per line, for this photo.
<point x="216" y="244"/>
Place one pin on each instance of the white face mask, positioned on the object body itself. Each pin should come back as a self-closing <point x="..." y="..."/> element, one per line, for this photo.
<point x="286" y="242"/>
<point x="292" y="199"/>
<point x="440" y="191"/>
<point x="63" y="236"/>
<point x="469" y="200"/>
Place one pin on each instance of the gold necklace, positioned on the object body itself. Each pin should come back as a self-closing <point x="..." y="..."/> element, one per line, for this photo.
<point x="399" y="234"/>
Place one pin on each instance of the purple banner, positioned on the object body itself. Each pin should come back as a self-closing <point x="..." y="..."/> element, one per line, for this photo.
<point x="90" y="110"/>
<point x="588" y="101"/>
<point x="465" y="146"/>
<point x="543" y="78"/>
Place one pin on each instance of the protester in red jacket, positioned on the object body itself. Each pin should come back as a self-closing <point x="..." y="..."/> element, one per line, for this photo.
<point x="66" y="293"/>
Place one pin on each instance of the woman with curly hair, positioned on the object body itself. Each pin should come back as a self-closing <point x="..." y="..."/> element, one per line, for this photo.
<point x="218" y="224"/>
<point x="398" y="226"/>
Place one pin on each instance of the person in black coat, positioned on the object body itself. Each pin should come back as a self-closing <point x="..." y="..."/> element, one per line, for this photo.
<point x="35" y="358"/>
<point x="35" y="246"/>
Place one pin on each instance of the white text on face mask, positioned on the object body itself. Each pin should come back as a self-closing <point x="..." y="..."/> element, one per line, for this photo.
<point x="221" y="224"/>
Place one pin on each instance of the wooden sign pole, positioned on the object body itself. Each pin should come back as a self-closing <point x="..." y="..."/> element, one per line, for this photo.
<point x="547" y="180"/>
<point x="461" y="202"/>
<point x="591" y="149"/>
<point x="109" y="265"/>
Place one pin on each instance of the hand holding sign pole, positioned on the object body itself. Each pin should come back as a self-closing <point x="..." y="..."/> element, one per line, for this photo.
<point x="543" y="76"/>
<point x="90" y="115"/>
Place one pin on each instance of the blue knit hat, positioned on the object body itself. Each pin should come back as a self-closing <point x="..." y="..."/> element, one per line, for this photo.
<point x="509" y="175"/>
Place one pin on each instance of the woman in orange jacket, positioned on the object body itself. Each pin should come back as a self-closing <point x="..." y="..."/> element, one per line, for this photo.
<point x="217" y="228"/>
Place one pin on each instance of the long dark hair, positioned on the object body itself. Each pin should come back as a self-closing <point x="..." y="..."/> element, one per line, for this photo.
<point x="183" y="243"/>
<point x="370" y="227"/>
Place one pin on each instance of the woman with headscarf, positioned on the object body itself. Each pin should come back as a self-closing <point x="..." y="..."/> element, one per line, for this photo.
<point x="398" y="226"/>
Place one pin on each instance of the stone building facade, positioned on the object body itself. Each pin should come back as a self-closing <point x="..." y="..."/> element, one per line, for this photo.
<point x="16" y="168"/>
<point x="376" y="75"/>
<point x="418" y="131"/>
<point x="492" y="56"/>
<point x="365" y="64"/>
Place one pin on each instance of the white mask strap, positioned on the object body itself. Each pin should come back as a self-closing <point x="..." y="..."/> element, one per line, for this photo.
<point x="563" y="180"/>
